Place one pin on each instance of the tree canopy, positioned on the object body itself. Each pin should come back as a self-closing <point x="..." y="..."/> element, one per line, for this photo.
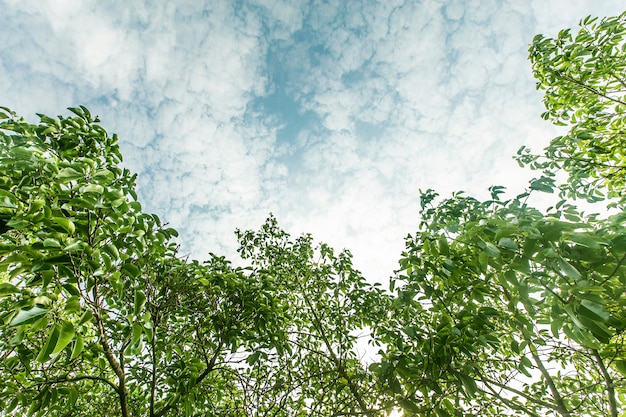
<point x="503" y="309"/>
<point x="497" y="308"/>
<point x="584" y="79"/>
<point x="101" y="316"/>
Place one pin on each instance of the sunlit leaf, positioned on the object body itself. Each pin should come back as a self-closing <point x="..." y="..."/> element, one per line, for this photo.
<point x="140" y="301"/>
<point x="66" y="335"/>
<point x="568" y="269"/>
<point x="77" y="349"/>
<point x="46" y="351"/>
<point x="28" y="316"/>
<point x="65" y="223"/>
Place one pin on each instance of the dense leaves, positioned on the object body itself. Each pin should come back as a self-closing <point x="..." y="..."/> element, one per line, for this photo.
<point x="101" y="316"/>
<point x="584" y="78"/>
<point x="502" y="309"/>
<point x="326" y="307"/>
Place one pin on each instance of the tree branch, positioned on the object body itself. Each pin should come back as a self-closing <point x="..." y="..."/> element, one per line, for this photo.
<point x="340" y="367"/>
<point x="610" y="390"/>
<point x="590" y="89"/>
<point x="81" y="378"/>
<point x="210" y="367"/>
<point x="115" y="365"/>
<point x="523" y="394"/>
<point x="560" y="404"/>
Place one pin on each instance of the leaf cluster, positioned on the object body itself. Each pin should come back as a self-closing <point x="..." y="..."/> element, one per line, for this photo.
<point x="584" y="79"/>
<point x="100" y="315"/>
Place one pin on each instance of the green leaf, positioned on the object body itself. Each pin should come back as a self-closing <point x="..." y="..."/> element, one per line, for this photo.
<point x="491" y="250"/>
<point x="140" y="301"/>
<point x="620" y="365"/>
<point x="51" y="243"/>
<point x="542" y="185"/>
<point x="92" y="188"/>
<point x="515" y="346"/>
<point x="69" y="174"/>
<point x="136" y="334"/>
<point x="619" y="243"/>
<point x="78" y="347"/>
<point x="66" y="224"/>
<point x="148" y="331"/>
<point x="584" y="136"/>
<point x="469" y="384"/>
<point x="508" y="243"/>
<point x="592" y="310"/>
<point x="71" y="289"/>
<point x="72" y="305"/>
<point x="18" y="223"/>
<point x="131" y="270"/>
<point x="394" y="384"/>
<point x="444" y="249"/>
<point x="568" y="269"/>
<point x="585" y="240"/>
<point x="410" y="406"/>
<point x="28" y="316"/>
<point x="111" y="249"/>
<point x="555" y="326"/>
<point x="252" y="359"/>
<point x="8" y="288"/>
<point x="75" y="247"/>
<point x="598" y="329"/>
<point x="78" y="112"/>
<point x="40" y="324"/>
<point x="20" y="153"/>
<point x="86" y="317"/>
<point x="44" y="353"/>
<point x="7" y="199"/>
<point x="66" y="335"/>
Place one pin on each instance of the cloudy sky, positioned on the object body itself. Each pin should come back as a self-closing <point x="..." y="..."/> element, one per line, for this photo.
<point x="330" y="114"/>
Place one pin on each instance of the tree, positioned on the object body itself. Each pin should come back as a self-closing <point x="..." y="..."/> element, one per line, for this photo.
<point x="502" y="309"/>
<point x="93" y="293"/>
<point x="584" y="78"/>
<point x="101" y="316"/>
<point x="326" y="308"/>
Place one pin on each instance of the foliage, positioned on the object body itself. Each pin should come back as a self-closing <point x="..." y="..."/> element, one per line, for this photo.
<point x="100" y="316"/>
<point x="584" y="78"/>
<point x="326" y="308"/>
<point x="502" y="309"/>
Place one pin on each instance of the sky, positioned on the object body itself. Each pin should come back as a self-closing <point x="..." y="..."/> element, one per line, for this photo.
<point x="331" y="115"/>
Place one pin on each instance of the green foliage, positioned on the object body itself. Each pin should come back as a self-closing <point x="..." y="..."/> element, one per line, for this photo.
<point x="100" y="316"/>
<point x="493" y="294"/>
<point x="325" y="306"/>
<point x="584" y="78"/>
<point x="502" y="309"/>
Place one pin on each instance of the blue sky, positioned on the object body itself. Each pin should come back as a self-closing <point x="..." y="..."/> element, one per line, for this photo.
<point x="330" y="114"/>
